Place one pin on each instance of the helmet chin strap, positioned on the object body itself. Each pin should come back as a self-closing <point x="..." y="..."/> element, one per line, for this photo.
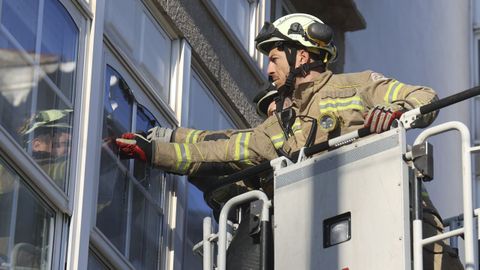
<point x="286" y="90"/>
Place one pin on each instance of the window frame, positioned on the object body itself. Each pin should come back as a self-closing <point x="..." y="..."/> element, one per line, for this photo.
<point x="60" y="201"/>
<point x="258" y="15"/>
<point x="100" y="245"/>
<point x="119" y="45"/>
<point x="475" y="111"/>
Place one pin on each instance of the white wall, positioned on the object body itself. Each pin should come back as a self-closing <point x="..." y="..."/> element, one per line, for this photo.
<point x="426" y="43"/>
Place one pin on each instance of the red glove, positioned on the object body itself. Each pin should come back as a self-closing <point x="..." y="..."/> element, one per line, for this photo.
<point x="134" y="145"/>
<point x="381" y="117"/>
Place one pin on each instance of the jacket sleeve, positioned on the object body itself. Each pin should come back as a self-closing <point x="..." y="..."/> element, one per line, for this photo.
<point x="244" y="148"/>
<point x="188" y="135"/>
<point x="380" y="90"/>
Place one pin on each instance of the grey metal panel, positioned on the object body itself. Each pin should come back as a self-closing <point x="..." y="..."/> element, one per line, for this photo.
<point x="370" y="181"/>
<point x="333" y="162"/>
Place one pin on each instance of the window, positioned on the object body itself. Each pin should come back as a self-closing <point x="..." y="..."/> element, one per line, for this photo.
<point x="238" y="15"/>
<point x="245" y="18"/>
<point x="130" y="205"/>
<point x="26" y="224"/>
<point x="143" y="41"/>
<point x="476" y="102"/>
<point x="206" y="113"/>
<point x="38" y="70"/>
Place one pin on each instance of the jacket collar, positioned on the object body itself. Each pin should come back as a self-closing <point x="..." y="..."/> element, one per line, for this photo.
<point x="304" y="93"/>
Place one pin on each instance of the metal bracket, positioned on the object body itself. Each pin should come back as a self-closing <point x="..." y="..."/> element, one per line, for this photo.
<point x="280" y="162"/>
<point x="422" y="156"/>
<point x="408" y="118"/>
<point x="255" y="216"/>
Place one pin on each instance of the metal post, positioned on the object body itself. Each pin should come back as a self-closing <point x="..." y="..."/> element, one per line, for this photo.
<point x="222" y="226"/>
<point x="470" y="231"/>
<point x="207" y="245"/>
<point x="417" y="225"/>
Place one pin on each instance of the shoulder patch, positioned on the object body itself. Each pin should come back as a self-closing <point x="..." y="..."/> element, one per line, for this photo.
<point x="377" y="77"/>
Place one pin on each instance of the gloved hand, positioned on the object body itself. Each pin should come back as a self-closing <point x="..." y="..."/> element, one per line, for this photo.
<point x="134" y="145"/>
<point x="381" y="117"/>
<point x="160" y="134"/>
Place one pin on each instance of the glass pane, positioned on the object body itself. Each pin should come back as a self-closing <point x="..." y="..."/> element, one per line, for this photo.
<point x="59" y="47"/>
<point x="155" y="55"/>
<point x="150" y="178"/>
<point x="112" y="201"/>
<point x="44" y="133"/>
<point x="205" y="113"/>
<point x="118" y="105"/>
<point x="19" y="17"/>
<point x="16" y="85"/>
<point x="476" y="118"/>
<point x="34" y="111"/>
<point x="25" y="224"/>
<point x="145" y="233"/>
<point x="237" y="16"/>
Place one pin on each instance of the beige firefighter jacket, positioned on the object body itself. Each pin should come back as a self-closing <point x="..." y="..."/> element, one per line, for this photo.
<point x="348" y="96"/>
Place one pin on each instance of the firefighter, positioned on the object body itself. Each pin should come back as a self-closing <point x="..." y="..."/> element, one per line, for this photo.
<point x="47" y="133"/>
<point x="265" y="106"/>
<point x="324" y="105"/>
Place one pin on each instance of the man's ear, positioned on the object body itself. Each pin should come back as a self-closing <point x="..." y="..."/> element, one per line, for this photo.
<point x="36" y="144"/>
<point x="303" y="57"/>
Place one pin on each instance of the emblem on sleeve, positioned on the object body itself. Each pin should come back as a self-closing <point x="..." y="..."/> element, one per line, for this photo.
<point x="377" y="76"/>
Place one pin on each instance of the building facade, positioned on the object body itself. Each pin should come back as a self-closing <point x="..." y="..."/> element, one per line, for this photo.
<point x="75" y="74"/>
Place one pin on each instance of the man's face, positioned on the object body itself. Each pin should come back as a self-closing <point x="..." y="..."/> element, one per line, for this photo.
<point x="278" y="67"/>
<point x="42" y="143"/>
<point x="61" y="144"/>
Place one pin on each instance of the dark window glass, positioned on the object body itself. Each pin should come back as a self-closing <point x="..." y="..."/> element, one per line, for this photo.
<point x="129" y="210"/>
<point x="25" y="224"/>
<point x="112" y="190"/>
<point x="19" y="21"/>
<point x="36" y="109"/>
<point x="59" y="47"/>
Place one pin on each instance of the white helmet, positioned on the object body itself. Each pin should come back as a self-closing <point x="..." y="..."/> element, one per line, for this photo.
<point x="54" y="118"/>
<point x="298" y="29"/>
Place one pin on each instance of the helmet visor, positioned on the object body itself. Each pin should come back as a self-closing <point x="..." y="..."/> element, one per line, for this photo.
<point x="269" y="31"/>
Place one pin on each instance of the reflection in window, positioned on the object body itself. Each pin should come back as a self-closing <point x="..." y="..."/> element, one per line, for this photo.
<point x="25" y="225"/>
<point x="37" y="80"/>
<point x="130" y="201"/>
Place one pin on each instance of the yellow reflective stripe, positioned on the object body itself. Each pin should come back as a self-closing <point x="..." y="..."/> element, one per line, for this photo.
<point x="195" y="136"/>
<point x="237" y="146"/>
<point x="341" y="104"/>
<point x="241" y="146"/>
<point x="396" y="91"/>
<point x="297" y="126"/>
<point x="192" y="136"/>
<point x="392" y="92"/>
<point x="184" y="157"/>
<point x="278" y="140"/>
<point x="245" y="149"/>
<point x="188" y="157"/>
<point x="389" y="90"/>
<point x="179" y="155"/>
